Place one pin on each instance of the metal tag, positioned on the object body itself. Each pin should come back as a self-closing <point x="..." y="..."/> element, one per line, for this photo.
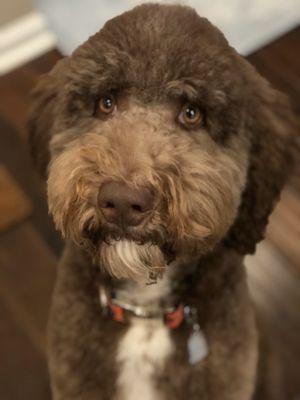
<point x="197" y="347"/>
<point x="155" y="274"/>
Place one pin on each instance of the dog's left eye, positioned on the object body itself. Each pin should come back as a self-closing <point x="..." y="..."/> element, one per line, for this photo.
<point x="106" y="105"/>
<point x="191" y="116"/>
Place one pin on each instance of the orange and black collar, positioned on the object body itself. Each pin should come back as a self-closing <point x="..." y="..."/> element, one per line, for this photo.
<point x="173" y="317"/>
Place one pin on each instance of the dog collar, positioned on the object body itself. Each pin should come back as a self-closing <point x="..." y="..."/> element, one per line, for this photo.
<point x="173" y="317"/>
<point x="119" y="311"/>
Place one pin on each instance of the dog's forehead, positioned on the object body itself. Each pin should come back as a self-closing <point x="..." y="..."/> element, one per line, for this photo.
<point x="154" y="45"/>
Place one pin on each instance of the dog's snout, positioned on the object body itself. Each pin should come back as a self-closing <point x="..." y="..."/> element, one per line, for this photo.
<point x="123" y="205"/>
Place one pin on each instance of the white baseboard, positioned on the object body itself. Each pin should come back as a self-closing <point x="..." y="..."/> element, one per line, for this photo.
<point x="23" y="40"/>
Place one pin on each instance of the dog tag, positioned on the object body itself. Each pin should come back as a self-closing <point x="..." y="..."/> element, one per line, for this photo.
<point x="197" y="346"/>
<point x="153" y="275"/>
<point x="152" y="278"/>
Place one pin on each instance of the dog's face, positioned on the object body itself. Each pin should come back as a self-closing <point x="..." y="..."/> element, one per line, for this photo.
<point x="154" y="127"/>
<point x="145" y="181"/>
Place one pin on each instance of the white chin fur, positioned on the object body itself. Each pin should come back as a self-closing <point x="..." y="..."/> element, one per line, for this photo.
<point x="128" y="259"/>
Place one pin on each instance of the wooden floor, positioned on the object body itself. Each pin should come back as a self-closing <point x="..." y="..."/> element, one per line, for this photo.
<point x="29" y="246"/>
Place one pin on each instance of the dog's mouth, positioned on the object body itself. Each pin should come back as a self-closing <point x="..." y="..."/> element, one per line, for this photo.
<point x="128" y="259"/>
<point x="110" y="235"/>
<point x="130" y="253"/>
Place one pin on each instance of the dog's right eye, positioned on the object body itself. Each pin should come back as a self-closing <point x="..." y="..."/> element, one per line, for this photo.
<point x="106" y="105"/>
<point x="191" y="116"/>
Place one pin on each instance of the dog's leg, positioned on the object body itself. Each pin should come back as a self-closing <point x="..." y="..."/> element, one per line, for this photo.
<point x="82" y="348"/>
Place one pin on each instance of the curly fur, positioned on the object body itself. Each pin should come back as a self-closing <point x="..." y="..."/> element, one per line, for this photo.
<point x="214" y="186"/>
<point x="197" y="186"/>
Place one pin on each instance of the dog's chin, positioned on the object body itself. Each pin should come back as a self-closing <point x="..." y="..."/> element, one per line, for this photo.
<point x="127" y="259"/>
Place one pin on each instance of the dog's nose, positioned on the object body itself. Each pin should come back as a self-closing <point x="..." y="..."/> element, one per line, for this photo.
<point x="124" y="205"/>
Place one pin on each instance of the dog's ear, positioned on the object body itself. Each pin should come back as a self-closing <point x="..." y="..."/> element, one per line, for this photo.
<point x="42" y="116"/>
<point x="273" y="130"/>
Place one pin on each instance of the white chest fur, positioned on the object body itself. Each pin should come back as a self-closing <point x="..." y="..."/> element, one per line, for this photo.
<point x="141" y="355"/>
<point x="145" y="347"/>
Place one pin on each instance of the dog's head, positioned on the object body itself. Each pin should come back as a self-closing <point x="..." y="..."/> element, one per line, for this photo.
<point x="159" y="142"/>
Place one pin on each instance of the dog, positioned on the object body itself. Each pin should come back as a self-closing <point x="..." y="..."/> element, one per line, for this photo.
<point x="164" y="153"/>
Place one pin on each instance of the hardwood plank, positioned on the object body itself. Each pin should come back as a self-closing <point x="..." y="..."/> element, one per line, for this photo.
<point x="14" y="204"/>
<point x="275" y="292"/>
<point x="284" y="227"/>
<point x="279" y="63"/>
<point x="27" y="274"/>
<point x="15" y="89"/>
<point x="23" y="372"/>
<point x="14" y="154"/>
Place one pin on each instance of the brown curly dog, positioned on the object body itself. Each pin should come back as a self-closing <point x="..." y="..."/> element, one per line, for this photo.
<point x="165" y="152"/>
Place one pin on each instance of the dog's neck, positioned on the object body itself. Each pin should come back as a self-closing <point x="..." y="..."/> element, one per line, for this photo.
<point x="141" y="294"/>
<point x="165" y="292"/>
<point x="179" y="281"/>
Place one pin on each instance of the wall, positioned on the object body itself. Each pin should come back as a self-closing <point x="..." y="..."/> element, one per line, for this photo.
<point x="11" y="9"/>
